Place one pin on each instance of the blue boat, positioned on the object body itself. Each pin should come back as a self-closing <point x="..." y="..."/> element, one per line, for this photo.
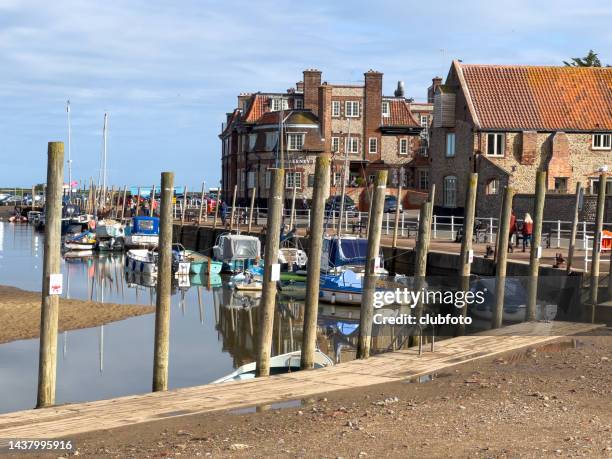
<point x="346" y="252"/>
<point x="237" y="252"/>
<point x="143" y="233"/>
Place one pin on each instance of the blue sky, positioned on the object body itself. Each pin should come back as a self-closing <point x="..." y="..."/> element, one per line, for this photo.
<point x="166" y="72"/>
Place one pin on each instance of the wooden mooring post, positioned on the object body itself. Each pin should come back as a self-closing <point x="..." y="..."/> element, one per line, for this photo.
<point x="536" y="249"/>
<point x="201" y="203"/>
<point x="217" y="205"/>
<point x="152" y="201"/>
<point x="233" y="212"/>
<point x="124" y="202"/>
<point x="164" y="285"/>
<point x="372" y="262"/>
<point x="397" y="218"/>
<point x="253" y="191"/>
<point x="572" y="242"/>
<point x="597" y="240"/>
<point x="311" y="308"/>
<point x="467" y="253"/>
<point x="502" y="258"/>
<point x="268" y="298"/>
<point x="51" y="281"/>
<point x="184" y="205"/>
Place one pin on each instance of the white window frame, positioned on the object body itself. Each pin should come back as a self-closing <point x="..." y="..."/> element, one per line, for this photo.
<point x="495" y="136"/>
<point x="386" y="109"/>
<point x="373" y="142"/>
<point x="353" y="111"/>
<point x="604" y="141"/>
<point x="423" y="173"/>
<point x="403" y="147"/>
<point x="295" y="146"/>
<point x="450" y="193"/>
<point x="450" y="145"/>
<point x="335" y="148"/>
<point x="299" y="104"/>
<point x="335" y="108"/>
<point x="492" y="187"/>
<point x="424" y="120"/>
<point x="293" y="178"/>
<point x="337" y="178"/>
<point x="352" y="145"/>
<point x="278" y="104"/>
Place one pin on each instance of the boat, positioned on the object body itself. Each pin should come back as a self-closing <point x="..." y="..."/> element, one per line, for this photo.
<point x="145" y="260"/>
<point x="143" y="233"/>
<point x="292" y="259"/>
<point x="515" y="301"/>
<point x="202" y="264"/>
<point x="110" y="235"/>
<point x="82" y="241"/>
<point x="346" y="252"/>
<point x="347" y="287"/>
<point x="33" y="216"/>
<point x="237" y="252"/>
<point x="249" y="286"/>
<point x="284" y="363"/>
<point x="206" y="280"/>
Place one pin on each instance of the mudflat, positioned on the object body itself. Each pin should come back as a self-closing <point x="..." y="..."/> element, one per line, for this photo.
<point x="20" y="313"/>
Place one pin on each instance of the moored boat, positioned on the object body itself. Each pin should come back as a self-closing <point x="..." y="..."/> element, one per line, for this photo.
<point x="81" y="241"/>
<point x="202" y="264"/>
<point x="237" y="252"/>
<point x="143" y="234"/>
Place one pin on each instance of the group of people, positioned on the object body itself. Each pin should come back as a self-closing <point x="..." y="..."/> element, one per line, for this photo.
<point x="526" y="231"/>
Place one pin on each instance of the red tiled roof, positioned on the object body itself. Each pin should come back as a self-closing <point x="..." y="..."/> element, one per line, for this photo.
<point x="257" y="108"/>
<point x="399" y="114"/>
<point x="539" y="98"/>
<point x="230" y="122"/>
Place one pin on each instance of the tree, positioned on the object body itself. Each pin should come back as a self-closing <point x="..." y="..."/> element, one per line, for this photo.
<point x="590" y="60"/>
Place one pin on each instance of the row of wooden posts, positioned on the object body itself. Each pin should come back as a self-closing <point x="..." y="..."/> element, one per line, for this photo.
<point x="50" y="303"/>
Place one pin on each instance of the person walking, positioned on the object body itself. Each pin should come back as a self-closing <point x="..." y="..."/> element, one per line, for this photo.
<point x="223" y="212"/>
<point x="527" y="231"/>
<point x="512" y="232"/>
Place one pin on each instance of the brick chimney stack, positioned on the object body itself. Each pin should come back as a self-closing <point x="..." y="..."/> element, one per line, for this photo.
<point x="372" y="110"/>
<point x="431" y="91"/>
<point x="312" y="81"/>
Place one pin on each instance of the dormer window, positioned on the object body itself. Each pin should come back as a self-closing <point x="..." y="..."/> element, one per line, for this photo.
<point x="386" y="110"/>
<point x="295" y="142"/>
<point x="299" y="104"/>
<point x="278" y="103"/>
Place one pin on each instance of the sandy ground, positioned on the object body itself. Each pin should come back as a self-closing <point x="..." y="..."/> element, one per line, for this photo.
<point x="20" y="313"/>
<point x="553" y="401"/>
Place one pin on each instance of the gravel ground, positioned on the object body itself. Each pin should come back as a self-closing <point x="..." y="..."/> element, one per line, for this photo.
<point x="549" y="401"/>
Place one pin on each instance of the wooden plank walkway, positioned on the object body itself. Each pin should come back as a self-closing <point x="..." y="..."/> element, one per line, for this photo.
<point x="66" y="420"/>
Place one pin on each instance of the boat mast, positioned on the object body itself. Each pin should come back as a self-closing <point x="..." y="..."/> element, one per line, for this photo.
<point x="344" y="179"/>
<point x="104" y="134"/>
<point x="69" y="155"/>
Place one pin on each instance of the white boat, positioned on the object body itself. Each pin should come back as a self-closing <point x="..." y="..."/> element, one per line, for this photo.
<point x="141" y="261"/>
<point x="143" y="234"/>
<point x="284" y="363"/>
<point x="82" y="241"/>
<point x="107" y="229"/>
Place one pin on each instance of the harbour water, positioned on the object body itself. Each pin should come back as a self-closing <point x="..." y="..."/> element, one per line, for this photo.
<point x="213" y="330"/>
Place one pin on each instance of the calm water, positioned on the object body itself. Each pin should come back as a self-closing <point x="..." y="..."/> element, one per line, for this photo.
<point x="212" y="330"/>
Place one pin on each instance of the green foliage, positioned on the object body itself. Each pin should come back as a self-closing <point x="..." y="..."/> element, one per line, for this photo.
<point x="590" y="60"/>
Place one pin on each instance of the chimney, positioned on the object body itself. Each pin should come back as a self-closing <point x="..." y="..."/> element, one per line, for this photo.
<point x="372" y="108"/>
<point x="431" y="91"/>
<point x="399" y="92"/>
<point x="312" y="81"/>
<point x="243" y="101"/>
<point x="299" y="86"/>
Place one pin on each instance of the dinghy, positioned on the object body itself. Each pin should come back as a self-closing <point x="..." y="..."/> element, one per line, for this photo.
<point x="285" y="363"/>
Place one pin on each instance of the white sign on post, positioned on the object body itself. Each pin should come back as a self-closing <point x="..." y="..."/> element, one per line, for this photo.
<point x="539" y="252"/>
<point x="56" y="284"/>
<point x="275" y="274"/>
<point x="470" y="256"/>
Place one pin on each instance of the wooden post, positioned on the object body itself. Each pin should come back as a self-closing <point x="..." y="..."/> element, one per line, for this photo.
<point x="311" y="307"/>
<point x="33" y="197"/>
<point x="422" y="250"/>
<point x="47" y="363"/>
<point x="151" y="200"/>
<point x="536" y="241"/>
<point x="138" y="202"/>
<point x="253" y="190"/>
<point x="292" y="216"/>
<point x="268" y="298"/>
<point x="597" y="239"/>
<point x="233" y="208"/>
<point x="397" y="216"/>
<point x="574" y="231"/>
<point x="112" y="194"/>
<point x="370" y="277"/>
<point x="164" y="285"/>
<point x="218" y="203"/>
<point x="123" y="203"/>
<point x="465" y="268"/>
<point x="502" y="256"/>
<point x="184" y="205"/>
<point x="90" y="196"/>
<point x="201" y="204"/>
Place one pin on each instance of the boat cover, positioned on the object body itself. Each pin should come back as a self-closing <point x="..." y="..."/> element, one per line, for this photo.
<point x="145" y="225"/>
<point x="237" y="247"/>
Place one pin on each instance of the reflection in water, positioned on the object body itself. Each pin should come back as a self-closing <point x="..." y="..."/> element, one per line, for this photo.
<point x="214" y="329"/>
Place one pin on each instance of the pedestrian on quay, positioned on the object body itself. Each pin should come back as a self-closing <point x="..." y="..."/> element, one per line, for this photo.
<point x="223" y="212"/>
<point x="527" y="231"/>
<point x="512" y="232"/>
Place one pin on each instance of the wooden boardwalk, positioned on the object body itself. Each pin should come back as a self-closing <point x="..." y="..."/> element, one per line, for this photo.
<point x="67" y="420"/>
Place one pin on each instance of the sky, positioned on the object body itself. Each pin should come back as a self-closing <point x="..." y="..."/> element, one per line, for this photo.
<point x="166" y="72"/>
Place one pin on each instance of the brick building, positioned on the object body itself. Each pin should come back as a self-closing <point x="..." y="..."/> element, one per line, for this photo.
<point x="354" y="123"/>
<point x="508" y="122"/>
